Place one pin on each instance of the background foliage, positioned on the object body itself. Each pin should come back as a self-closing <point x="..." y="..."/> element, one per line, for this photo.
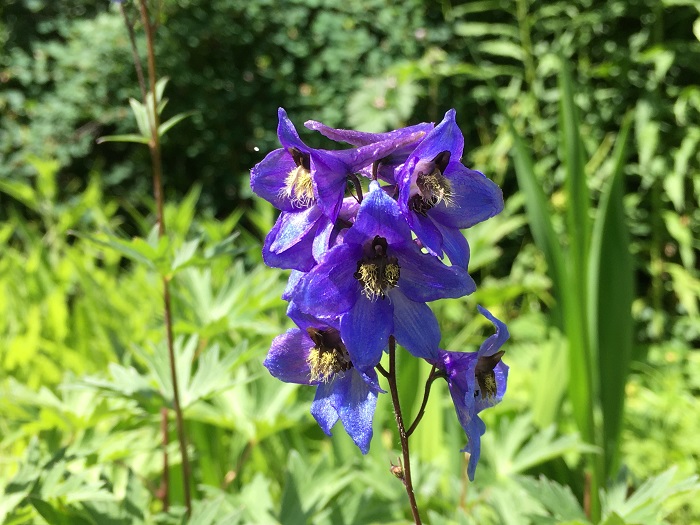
<point x="81" y="338"/>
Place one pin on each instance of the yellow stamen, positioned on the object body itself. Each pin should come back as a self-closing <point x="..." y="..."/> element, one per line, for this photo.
<point x="435" y="188"/>
<point x="298" y="187"/>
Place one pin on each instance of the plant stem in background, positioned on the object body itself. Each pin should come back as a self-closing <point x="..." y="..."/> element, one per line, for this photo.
<point x="134" y="51"/>
<point x="391" y="376"/>
<point x="154" y="148"/>
<point x="163" y="491"/>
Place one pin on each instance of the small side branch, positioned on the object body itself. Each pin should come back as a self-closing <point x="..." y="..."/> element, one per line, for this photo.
<point x="434" y="374"/>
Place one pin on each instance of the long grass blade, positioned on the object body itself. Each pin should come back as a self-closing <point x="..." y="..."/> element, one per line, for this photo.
<point x="611" y="292"/>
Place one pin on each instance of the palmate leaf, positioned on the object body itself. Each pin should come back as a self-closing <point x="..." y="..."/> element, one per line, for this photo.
<point x="514" y="449"/>
<point x="153" y="252"/>
<point x="128" y="383"/>
<point x="646" y="504"/>
<point x="557" y="499"/>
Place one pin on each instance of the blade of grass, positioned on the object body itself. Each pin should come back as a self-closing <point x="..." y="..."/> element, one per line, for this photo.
<point x="582" y="360"/>
<point x="610" y="300"/>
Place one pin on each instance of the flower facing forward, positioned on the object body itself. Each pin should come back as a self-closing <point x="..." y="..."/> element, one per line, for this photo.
<point x="377" y="282"/>
<point x="314" y="354"/>
<point x="476" y="380"/>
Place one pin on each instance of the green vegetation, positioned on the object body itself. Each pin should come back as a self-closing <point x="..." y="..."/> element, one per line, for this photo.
<point x="587" y="113"/>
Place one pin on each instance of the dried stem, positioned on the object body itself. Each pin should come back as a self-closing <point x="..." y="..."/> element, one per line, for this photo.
<point x="402" y="431"/>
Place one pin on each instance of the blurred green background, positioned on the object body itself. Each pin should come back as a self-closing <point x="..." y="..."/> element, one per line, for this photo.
<point x="585" y="112"/>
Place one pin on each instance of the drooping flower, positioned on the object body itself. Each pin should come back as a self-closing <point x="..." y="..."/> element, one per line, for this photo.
<point x="439" y="196"/>
<point x="377" y="282"/>
<point x="314" y="354"/>
<point x="476" y="380"/>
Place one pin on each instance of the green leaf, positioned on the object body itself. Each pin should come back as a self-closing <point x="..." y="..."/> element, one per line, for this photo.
<point x="142" y="117"/>
<point x="477" y="29"/>
<point x="503" y="48"/>
<point x="574" y="291"/>
<point x="556" y="498"/>
<point x="22" y="192"/>
<point x="168" y="124"/>
<point x="613" y="519"/>
<point x="185" y="255"/>
<point x="153" y="252"/>
<point x="646" y="504"/>
<point x="139" y="139"/>
<point x="611" y="274"/>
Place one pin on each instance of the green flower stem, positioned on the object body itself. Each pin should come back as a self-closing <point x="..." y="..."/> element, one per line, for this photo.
<point x="154" y="148"/>
<point x="391" y="376"/>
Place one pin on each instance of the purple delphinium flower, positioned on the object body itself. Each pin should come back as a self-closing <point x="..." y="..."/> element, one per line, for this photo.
<point x="476" y="380"/>
<point x="295" y="176"/>
<point x="299" y="239"/>
<point x="377" y="282"/>
<point x="308" y="185"/>
<point x="314" y="354"/>
<point x="390" y="163"/>
<point x="439" y="196"/>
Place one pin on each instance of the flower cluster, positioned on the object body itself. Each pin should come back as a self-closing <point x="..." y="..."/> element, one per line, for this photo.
<point x="367" y="231"/>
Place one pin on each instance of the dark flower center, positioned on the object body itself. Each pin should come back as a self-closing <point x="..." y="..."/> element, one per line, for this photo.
<point x="485" y="376"/>
<point x="298" y="185"/>
<point x="329" y="355"/>
<point x="377" y="271"/>
<point x="429" y="187"/>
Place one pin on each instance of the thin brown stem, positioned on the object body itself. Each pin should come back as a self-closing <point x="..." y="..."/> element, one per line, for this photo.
<point x="134" y="51"/>
<point x="163" y="491"/>
<point x="382" y="370"/>
<point x="402" y="431"/>
<point x="154" y="147"/>
<point x="434" y="374"/>
<point x="154" y="144"/>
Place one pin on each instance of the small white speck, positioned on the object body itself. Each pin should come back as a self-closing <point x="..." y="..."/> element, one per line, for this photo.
<point x="256" y="148"/>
